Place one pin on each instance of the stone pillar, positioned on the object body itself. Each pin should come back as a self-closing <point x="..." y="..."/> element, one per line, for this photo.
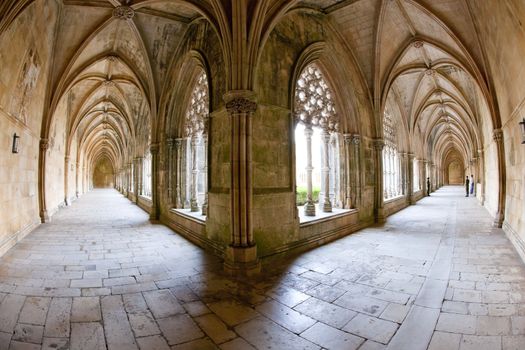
<point x="309" y="207"/>
<point x="170" y="168"/>
<point x="44" y="145"/>
<point x="426" y="173"/>
<point x="500" y="213"/>
<point x="327" y="205"/>
<point x="194" y="203"/>
<point x="77" y="176"/>
<point x="205" y="185"/>
<point x="136" y="173"/>
<point x="355" y="165"/>
<point x="379" y="144"/>
<point x="178" y="173"/>
<point x="348" y="173"/>
<point x="403" y="172"/>
<point x="481" y="174"/>
<point x="410" y="179"/>
<point x="66" y="180"/>
<point x="154" y="214"/>
<point x="241" y="256"/>
<point x="130" y="176"/>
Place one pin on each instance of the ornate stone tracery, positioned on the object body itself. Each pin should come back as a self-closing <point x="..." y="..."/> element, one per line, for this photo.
<point x="314" y="103"/>
<point x="196" y="130"/>
<point x="391" y="161"/>
<point x="198" y="110"/>
<point x="314" y="107"/>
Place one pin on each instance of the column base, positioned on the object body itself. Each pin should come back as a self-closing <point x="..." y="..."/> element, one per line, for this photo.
<point x="327" y="206"/>
<point x="44" y="217"/>
<point x="380" y="217"/>
<point x="498" y="220"/>
<point x="309" y="209"/>
<point x="242" y="261"/>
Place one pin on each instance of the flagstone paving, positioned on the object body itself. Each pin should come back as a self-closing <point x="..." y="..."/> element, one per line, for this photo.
<point x="437" y="275"/>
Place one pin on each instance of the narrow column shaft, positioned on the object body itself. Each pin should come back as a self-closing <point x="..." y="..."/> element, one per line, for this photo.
<point x="348" y="173"/>
<point x="309" y="207"/>
<point x="327" y="205"/>
<point x="178" y="173"/>
<point x="205" y="182"/>
<point x="194" y="203"/>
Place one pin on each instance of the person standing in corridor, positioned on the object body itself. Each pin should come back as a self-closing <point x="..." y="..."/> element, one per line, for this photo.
<point x="467" y="185"/>
<point x="472" y="184"/>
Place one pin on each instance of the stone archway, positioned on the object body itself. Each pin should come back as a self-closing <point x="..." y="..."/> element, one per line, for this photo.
<point x="455" y="173"/>
<point x="103" y="174"/>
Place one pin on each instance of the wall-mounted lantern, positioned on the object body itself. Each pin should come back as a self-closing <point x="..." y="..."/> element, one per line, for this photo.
<point x="522" y="124"/>
<point x="15" y="143"/>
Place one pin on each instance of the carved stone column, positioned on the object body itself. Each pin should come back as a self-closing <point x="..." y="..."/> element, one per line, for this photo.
<point x="77" y="176"/>
<point x="403" y="172"/>
<point x="205" y="184"/>
<point x="170" y="142"/>
<point x="410" y="179"/>
<point x="348" y="173"/>
<point x="136" y="174"/>
<point x="356" y="168"/>
<point x="194" y="203"/>
<point x="378" y="145"/>
<point x="309" y="207"/>
<point x="327" y="204"/>
<point x="426" y="174"/>
<point x="44" y="145"/>
<point x="154" y="214"/>
<point x="178" y="173"/>
<point x="130" y="176"/>
<point x="481" y="174"/>
<point x="66" y="180"/>
<point x="241" y="257"/>
<point x="500" y="214"/>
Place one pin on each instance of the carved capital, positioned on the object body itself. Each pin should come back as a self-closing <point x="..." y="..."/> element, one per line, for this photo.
<point x="356" y="139"/>
<point x="497" y="135"/>
<point x="240" y="105"/>
<point x="170" y="142"/>
<point x="154" y="148"/>
<point x="240" y="101"/>
<point x="123" y="12"/>
<point x="378" y="144"/>
<point x="44" y="144"/>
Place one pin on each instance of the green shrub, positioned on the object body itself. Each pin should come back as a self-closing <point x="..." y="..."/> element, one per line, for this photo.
<point x="301" y="195"/>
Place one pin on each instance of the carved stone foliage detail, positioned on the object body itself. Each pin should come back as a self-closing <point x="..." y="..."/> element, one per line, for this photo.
<point x="240" y="105"/>
<point x="123" y="12"/>
<point x="198" y="110"/>
<point x="314" y="104"/>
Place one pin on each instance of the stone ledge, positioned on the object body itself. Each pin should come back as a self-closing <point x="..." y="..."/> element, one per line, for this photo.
<point x="516" y="240"/>
<point x="18" y="236"/>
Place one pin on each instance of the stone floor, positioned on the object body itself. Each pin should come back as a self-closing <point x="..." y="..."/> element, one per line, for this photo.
<point x="99" y="276"/>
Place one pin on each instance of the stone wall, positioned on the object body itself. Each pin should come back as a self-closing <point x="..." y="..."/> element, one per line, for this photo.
<point x="501" y="29"/>
<point x="25" y="56"/>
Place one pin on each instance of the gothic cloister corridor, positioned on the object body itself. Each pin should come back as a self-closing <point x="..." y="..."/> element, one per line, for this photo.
<point x="268" y="174"/>
<point x="100" y="275"/>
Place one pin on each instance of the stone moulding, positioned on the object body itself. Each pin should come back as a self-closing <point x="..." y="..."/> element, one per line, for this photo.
<point x="13" y="239"/>
<point x="517" y="241"/>
<point x="171" y="220"/>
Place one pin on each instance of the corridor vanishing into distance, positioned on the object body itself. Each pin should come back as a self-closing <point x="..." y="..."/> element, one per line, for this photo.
<point x="100" y="275"/>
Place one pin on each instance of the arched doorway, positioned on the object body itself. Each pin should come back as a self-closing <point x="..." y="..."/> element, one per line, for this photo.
<point x="103" y="174"/>
<point x="456" y="173"/>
